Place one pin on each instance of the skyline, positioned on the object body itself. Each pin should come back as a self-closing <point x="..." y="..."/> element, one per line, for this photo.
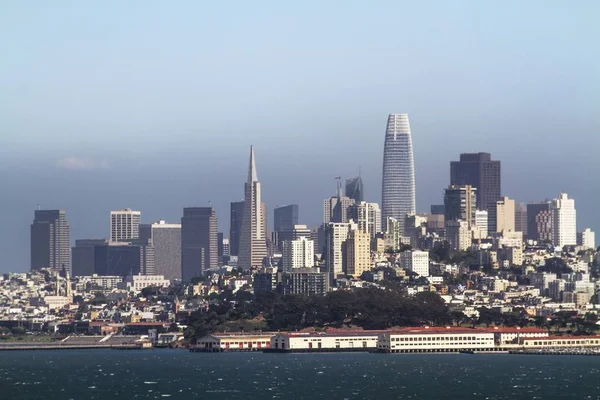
<point x="148" y="103"/>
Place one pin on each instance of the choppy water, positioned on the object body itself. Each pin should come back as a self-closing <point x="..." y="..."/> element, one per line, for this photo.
<point x="174" y="374"/>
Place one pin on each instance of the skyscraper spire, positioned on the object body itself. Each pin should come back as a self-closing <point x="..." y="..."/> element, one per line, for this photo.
<point x="252" y="175"/>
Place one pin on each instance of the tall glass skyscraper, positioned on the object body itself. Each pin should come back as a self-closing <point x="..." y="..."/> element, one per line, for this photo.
<point x="398" y="185"/>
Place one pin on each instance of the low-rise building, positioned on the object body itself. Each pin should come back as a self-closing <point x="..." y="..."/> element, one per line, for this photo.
<point x="219" y="342"/>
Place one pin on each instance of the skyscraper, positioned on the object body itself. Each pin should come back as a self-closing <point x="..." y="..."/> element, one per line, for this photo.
<point x="298" y="253"/>
<point x="124" y="225"/>
<point x="398" y="183"/>
<point x="166" y="239"/>
<point x="235" y="227"/>
<point x="481" y="172"/>
<point x="539" y="221"/>
<point x="564" y="221"/>
<point x="355" y="190"/>
<point x="335" y="209"/>
<point x="50" y="240"/>
<point x="253" y="241"/>
<point x="367" y="216"/>
<point x="502" y="217"/>
<point x="198" y="241"/>
<point x="285" y="217"/>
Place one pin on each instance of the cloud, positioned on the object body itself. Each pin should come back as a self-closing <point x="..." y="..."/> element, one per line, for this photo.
<point x="78" y="164"/>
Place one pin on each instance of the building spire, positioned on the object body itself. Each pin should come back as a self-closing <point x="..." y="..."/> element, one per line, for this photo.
<point x="252" y="176"/>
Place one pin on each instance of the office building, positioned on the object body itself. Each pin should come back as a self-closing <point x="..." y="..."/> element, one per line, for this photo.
<point x="534" y="229"/>
<point x="416" y="261"/>
<point x="460" y="204"/>
<point x="297" y="232"/>
<point x="367" y="216"/>
<point x="335" y="209"/>
<point x="166" y="239"/>
<point x="198" y="241"/>
<point x="50" y="240"/>
<point x="285" y="217"/>
<point x="356" y="250"/>
<point x="307" y="282"/>
<point x="235" y="227"/>
<point x="587" y="239"/>
<point x="117" y="259"/>
<point x="253" y="241"/>
<point x="398" y="183"/>
<point x="355" y="189"/>
<point x="438" y="209"/>
<point x="502" y="217"/>
<point x="124" y="225"/>
<point x="83" y="256"/>
<point x="298" y="253"/>
<point x="481" y="172"/>
<point x="521" y="218"/>
<point x="564" y="221"/>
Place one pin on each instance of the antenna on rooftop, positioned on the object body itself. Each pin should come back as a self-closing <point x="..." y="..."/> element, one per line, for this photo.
<point x="38" y="206"/>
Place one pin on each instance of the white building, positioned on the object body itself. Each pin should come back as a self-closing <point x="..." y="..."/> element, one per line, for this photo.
<point x="125" y="225"/>
<point x="337" y="233"/>
<point x="219" y="342"/>
<point x="367" y="216"/>
<point x="299" y="253"/>
<point x="564" y="221"/>
<point x="135" y="283"/>
<point x="416" y="261"/>
<point x="481" y="222"/>
<point x="322" y="341"/>
<point x="435" y="340"/>
<point x="587" y="239"/>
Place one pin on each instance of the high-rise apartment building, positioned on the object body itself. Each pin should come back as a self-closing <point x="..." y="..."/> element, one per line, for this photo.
<point x="502" y="217"/>
<point x="298" y="253"/>
<point x="355" y="189"/>
<point x="356" y="250"/>
<point x="458" y="235"/>
<point x="367" y="216"/>
<point x="253" y="241"/>
<point x="125" y="225"/>
<point x="50" y="240"/>
<point x="198" y="241"/>
<point x="416" y="261"/>
<point x="481" y="223"/>
<point x="235" y="227"/>
<point x="336" y="234"/>
<point x="539" y="221"/>
<point x="587" y="239"/>
<point x="398" y="183"/>
<point x="460" y="203"/>
<point x="564" y="221"/>
<point x="481" y="172"/>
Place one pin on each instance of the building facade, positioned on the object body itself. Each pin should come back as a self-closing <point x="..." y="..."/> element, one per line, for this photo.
<point x="416" y="261"/>
<point x="587" y="239"/>
<point x="367" y="216"/>
<point x="460" y="203"/>
<point x="356" y="251"/>
<point x="564" y="221"/>
<point x="298" y="253"/>
<point x="124" y="225"/>
<point x="50" y="240"/>
<point x="336" y="234"/>
<point x="235" y="227"/>
<point x="166" y="239"/>
<point x="198" y="241"/>
<point x="398" y="183"/>
<point x="83" y="258"/>
<point x="355" y="189"/>
<point x="539" y="221"/>
<point x="503" y="216"/>
<point x="481" y="172"/>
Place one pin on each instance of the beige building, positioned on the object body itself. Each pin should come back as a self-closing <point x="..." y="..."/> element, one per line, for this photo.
<point x="357" y="253"/>
<point x="458" y="235"/>
<point x="505" y="215"/>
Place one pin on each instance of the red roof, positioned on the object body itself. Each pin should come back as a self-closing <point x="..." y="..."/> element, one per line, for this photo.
<point x="564" y="338"/>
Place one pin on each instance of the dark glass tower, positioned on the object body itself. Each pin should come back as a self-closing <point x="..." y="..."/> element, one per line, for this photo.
<point x="199" y="249"/>
<point x="50" y="240"/>
<point x="235" y="227"/>
<point x="481" y="172"/>
<point x="355" y="189"/>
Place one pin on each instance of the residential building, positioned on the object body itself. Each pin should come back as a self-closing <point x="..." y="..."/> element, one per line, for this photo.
<point x="481" y="222"/>
<point x="307" y="281"/>
<point x="458" y="235"/>
<point x="481" y="172"/>
<point x="539" y="222"/>
<point x="356" y="251"/>
<point x="392" y="237"/>
<point x="502" y="217"/>
<point x="135" y="283"/>
<point x="587" y="239"/>
<point x="398" y="183"/>
<point x="50" y="240"/>
<point x="416" y="261"/>
<point x="235" y="227"/>
<point x="298" y="253"/>
<point x="564" y="221"/>
<point x="336" y="234"/>
<point x="367" y="216"/>
<point x="355" y="189"/>
<point x="198" y="241"/>
<point x="253" y="242"/>
<point x="124" y="225"/>
<point x="460" y="204"/>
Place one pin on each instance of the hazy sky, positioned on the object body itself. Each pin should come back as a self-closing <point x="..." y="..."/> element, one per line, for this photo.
<point x="153" y="105"/>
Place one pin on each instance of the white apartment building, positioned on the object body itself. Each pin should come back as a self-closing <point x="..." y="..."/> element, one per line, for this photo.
<point x="481" y="222"/>
<point x="587" y="239"/>
<point x="564" y="221"/>
<point x="299" y="253"/>
<point x="337" y="233"/>
<point x="416" y="261"/>
<point x="125" y="225"/>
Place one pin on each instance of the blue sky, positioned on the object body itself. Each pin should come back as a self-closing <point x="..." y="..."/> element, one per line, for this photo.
<point x="153" y="105"/>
